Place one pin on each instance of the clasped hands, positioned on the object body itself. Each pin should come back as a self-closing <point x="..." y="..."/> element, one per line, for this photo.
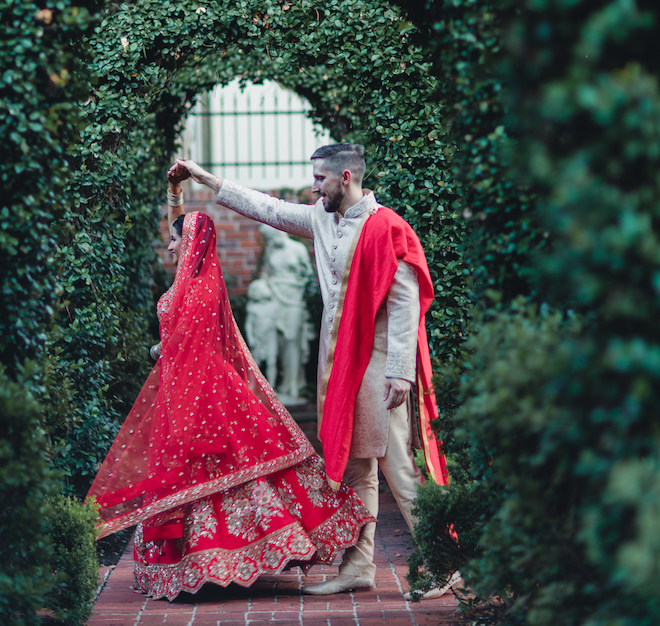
<point x="177" y="174"/>
<point x="184" y="169"/>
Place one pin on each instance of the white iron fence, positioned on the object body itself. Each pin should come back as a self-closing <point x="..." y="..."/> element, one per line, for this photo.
<point x="259" y="137"/>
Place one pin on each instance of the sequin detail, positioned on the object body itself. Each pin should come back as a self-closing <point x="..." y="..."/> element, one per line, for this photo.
<point x="257" y="528"/>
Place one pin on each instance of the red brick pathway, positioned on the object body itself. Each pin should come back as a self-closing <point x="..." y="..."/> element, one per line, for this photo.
<point x="278" y="600"/>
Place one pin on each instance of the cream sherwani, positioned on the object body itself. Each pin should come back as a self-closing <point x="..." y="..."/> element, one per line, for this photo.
<point x="379" y="435"/>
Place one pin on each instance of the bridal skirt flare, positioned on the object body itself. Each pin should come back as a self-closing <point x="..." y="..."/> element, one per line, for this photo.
<point x="218" y="477"/>
<point x="291" y="517"/>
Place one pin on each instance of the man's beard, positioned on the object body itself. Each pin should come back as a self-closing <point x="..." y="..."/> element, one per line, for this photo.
<point x="333" y="200"/>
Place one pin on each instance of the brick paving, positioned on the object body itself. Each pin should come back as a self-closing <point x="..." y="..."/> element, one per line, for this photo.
<point x="278" y="600"/>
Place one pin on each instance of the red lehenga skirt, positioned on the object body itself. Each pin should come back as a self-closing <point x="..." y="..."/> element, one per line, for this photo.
<point x="219" y="479"/>
<point x="259" y="504"/>
<point x="288" y="518"/>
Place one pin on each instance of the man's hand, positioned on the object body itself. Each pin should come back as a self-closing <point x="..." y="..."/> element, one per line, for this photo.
<point x="396" y="391"/>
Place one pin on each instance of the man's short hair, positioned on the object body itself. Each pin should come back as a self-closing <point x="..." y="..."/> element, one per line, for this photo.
<point x="338" y="157"/>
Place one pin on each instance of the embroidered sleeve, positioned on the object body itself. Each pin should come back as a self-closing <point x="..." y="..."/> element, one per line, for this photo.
<point x="402" y="324"/>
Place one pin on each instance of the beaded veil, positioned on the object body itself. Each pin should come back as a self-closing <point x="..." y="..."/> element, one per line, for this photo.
<point x="206" y="419"/>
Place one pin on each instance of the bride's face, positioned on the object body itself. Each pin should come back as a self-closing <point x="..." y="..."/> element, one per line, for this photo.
<point x="175" y="245"/>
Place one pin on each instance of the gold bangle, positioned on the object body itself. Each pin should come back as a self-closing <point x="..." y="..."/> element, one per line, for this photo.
<point x="174" y="199"/>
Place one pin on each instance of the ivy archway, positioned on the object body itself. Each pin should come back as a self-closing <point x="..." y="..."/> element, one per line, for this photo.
<point x="367" y="81"/>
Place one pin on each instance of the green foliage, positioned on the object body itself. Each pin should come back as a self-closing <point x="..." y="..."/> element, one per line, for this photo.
<point x="464" y="39"/>
<point x="438" y="553"/>
<point x="558" y="420"/>
<point x="592" y="79"/>
<point x="72" y="530"/>
<point x="26" y="482"/>
<point x="42" y="68"/>
<point x="522" y="459"/>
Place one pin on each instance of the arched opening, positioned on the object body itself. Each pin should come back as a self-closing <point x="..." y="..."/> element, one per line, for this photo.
<point x="366" y="81"/>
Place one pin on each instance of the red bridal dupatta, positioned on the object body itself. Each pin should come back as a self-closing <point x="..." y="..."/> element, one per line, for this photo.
<point x="222" y="483"/>
<point x="383" y="240"/>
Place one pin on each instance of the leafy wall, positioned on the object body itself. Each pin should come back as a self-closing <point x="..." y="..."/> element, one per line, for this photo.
<point x="367" y="81"/>
<point x="44" y="74"/>
<point x="558" y="393"/>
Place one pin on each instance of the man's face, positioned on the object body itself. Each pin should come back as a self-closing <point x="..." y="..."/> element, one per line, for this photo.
<point x="328" y="186"/>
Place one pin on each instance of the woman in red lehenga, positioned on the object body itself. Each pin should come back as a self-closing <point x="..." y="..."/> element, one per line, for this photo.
<point x="218" y="477"/>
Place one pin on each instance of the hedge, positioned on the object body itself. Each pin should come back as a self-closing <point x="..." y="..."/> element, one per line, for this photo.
<point x="26" y="483"/>
<point x="556" y="417"/>
<point x="520" y="141"/>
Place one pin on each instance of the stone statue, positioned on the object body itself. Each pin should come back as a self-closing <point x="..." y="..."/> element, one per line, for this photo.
<point x="277" y="321"/>
<point x="260" y="330"/>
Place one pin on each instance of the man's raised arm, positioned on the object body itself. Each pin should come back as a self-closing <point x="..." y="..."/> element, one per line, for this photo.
<point x="287" y="216"/>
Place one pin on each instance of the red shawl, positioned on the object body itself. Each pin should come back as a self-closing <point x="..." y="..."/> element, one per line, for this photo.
<point x="386" y="239"/>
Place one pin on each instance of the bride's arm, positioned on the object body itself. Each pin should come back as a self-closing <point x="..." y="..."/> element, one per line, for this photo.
<point x="175" y="175"/>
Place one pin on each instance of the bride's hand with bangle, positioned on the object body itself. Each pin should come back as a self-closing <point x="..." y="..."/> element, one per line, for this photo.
<point x="198" y="174"/>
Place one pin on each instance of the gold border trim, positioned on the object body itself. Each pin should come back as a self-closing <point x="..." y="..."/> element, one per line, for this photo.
<point x="422" y="424"/>
<point x="319" y="546"/>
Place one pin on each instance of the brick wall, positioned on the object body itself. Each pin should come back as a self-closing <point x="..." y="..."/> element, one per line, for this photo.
<point x="239" y="241"/>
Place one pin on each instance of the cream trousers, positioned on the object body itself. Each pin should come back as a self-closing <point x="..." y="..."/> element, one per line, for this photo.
<point x="402" y="475"/>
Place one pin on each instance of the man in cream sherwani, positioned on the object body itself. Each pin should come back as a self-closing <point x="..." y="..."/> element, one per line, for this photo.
<point x="383" y="432"/>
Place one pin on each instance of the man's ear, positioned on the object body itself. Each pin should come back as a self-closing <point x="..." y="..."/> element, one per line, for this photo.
<point x="346" y="177"/>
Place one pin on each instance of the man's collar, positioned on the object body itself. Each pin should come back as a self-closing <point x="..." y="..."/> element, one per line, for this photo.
<point x="367" y="204"/>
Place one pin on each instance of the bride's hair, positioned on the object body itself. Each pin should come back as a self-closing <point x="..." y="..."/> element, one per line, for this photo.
<point x="177" y="225"/>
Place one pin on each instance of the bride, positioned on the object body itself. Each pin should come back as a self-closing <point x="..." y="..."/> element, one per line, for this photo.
<point x="219" y="479"/>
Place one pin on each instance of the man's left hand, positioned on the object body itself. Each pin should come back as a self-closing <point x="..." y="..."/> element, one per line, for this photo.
<point x="396" y="391"/>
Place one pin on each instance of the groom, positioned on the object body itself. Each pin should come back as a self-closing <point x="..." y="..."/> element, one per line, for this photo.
<point x="376" y="289"/>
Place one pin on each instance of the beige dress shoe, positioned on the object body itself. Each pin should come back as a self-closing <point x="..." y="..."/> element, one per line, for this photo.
<point x="339" y="584"/>
<point x="437" y="592"/>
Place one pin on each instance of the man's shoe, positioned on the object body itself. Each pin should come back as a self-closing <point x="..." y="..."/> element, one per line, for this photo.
<point x="437" y="592"/>
<point x="339" y="584"/>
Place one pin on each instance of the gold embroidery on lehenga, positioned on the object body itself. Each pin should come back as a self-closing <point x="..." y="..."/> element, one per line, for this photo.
<point x="244" y="565"/>
<point x="311" y="478"/>
<point x="200" y="521"/>
<point x="250" y="507"/>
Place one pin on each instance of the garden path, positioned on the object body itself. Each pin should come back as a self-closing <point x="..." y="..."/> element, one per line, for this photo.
<point x="278" y="600"/>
